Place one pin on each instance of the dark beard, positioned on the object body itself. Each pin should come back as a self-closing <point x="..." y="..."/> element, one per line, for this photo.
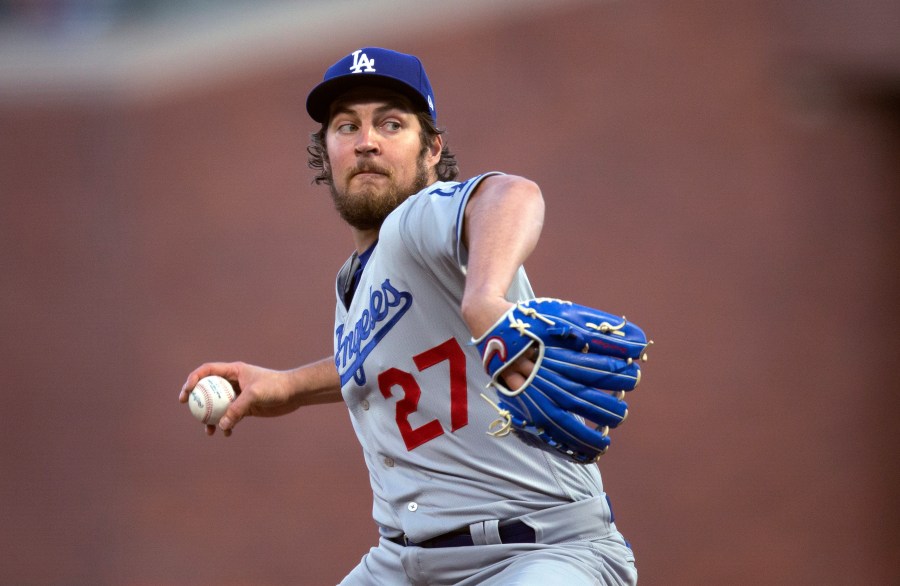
<point x="367" y="210"/>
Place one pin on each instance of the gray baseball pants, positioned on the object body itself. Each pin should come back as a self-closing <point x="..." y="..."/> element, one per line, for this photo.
<point x="576" y="544"/>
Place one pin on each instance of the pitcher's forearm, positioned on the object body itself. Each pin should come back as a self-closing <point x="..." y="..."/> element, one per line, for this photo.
<point x="316" y="383"/>
<point x="503" y="222"/>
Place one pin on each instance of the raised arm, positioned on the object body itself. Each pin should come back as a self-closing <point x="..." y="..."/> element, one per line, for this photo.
<point x="502" y="225"/>
<point x="269" y="393"/>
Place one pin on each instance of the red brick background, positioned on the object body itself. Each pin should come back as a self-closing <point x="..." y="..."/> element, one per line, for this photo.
<point x="725" y="174"/>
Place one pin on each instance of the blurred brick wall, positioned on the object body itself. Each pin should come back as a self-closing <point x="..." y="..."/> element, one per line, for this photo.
<point x="725" y="175"/>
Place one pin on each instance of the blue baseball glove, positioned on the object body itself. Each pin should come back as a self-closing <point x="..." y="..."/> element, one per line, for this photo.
<point x="585" y="361"/>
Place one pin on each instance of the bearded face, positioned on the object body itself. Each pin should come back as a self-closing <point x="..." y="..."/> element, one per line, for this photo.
<point x="376" y="155"/>
<point x="371" y="191"/>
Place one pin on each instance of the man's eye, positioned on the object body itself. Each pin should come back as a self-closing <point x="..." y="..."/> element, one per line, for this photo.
<point x="346" y="128"/>
<point x="392" y="125"/>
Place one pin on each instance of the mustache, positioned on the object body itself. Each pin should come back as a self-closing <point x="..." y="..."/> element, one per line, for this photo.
<point x="369" y="167"/>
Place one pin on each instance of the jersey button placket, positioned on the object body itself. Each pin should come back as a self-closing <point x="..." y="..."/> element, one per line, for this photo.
<point x="412" y="507"/>
<point x="388" y="461"/>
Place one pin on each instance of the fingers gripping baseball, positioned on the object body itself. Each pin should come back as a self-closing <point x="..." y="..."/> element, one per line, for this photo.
<point x="584" y="363"/>
<point x="259" y="392"/>
<point x="225" y="414"/>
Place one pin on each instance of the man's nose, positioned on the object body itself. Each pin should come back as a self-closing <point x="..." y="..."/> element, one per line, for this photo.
<point x="367" y="141"/>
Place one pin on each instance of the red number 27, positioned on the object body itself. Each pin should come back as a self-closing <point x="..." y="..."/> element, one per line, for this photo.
<point x="459" y="408"/>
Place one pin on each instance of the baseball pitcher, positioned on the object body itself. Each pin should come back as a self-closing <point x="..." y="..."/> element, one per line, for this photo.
<point x="481" y="409"/>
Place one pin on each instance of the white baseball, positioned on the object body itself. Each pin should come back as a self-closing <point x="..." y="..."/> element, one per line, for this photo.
<point x="210" y="399"/>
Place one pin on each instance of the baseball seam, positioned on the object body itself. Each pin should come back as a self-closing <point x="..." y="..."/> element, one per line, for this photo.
<point x="207" y="397"/>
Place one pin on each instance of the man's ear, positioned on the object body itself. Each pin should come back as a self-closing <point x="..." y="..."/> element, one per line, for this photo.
<point x="434" y="152"/>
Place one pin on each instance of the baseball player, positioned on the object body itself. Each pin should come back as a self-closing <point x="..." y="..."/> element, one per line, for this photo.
<point x="438" y="339"/>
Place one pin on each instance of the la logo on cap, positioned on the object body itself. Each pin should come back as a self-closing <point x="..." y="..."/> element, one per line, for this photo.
<point x="396" y="72"/>
<point x="361" y="63"/>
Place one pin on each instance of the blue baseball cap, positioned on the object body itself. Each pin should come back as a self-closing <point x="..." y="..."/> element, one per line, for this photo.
<point x="373" y="66"/>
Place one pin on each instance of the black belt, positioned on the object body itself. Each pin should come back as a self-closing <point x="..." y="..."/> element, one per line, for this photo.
<point x="513" y="532"/>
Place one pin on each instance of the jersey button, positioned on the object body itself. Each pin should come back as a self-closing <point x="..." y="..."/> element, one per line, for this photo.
<point x="412" y="507"/>
<point x="364" y="404"/>
<point x="389" y="462"/>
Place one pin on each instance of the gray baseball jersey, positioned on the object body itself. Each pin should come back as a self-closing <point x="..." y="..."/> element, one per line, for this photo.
<point x="412" y="382"/>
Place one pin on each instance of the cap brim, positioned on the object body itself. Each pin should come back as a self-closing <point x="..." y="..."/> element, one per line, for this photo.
<point x="318" y="103"/>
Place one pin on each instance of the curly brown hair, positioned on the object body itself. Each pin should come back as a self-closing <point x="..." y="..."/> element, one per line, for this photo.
<point x="446" y="169"/>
